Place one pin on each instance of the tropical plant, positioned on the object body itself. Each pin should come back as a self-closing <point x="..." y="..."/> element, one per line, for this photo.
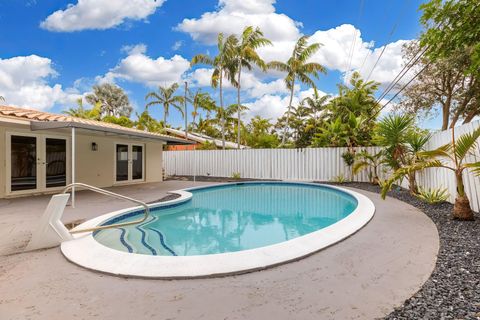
<point x="167" y="98"/>
<point x="146" y="122"/>
<point x="111" y="100"/>
<point x="349" y="159"/>
<point x="207" y="145"/>
<point x="259" y="135"/>
<point x="403" y="142"/>
<point x="298" y="68"/>
<point x="316" y="104"/>
<point x="246" y="56"/>
<point x="223" y="66"/>
<point x="236" y="175"/>
<point x="366" y="161"/>
<point x="201" y="100"/>
<point x="432" y="196"/>
<point x="451" y="156"/>
<point x="81" y="112"/>
<point x="121" y="121"/>
<point x="339" y="179"/>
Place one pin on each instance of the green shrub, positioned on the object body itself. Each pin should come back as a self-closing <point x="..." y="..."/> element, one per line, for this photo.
<point x="236" y="175"/>
<point x="433" y="196"/>
<point x="338" y="179"/>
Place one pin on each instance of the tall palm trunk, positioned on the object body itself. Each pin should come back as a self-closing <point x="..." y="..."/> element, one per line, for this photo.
<point x="221" y="108"/>
<point x="238" y="103"/>
<point x="288" y="114"/>
<point x="165" y="114"/>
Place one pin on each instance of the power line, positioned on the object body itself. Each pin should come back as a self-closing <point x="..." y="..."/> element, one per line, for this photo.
<point x="401" y="89"/>
<point x="394" y="28"/>
<point x="354" y="40"/>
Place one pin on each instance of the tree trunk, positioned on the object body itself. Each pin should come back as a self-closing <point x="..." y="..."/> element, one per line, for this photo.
<point x="165" y="113"/>
<point x="221" y="107"/>
<point x="288" y="114"/>
<point x="185" y="115"/>
<point x="238" y="104"/>
<point x="445" y="115"/>
<point x="412" y="183"/>
<point x="461" y="208"/>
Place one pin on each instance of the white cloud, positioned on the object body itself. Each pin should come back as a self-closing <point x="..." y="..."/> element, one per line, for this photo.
<point x="335" y="53"/>
<point x="134" y="49"/>
<point x="234" y="15"/>
<point x="138" y="67"/>
<point x="99" y="14"/>
<point x="24" y="83"/>
<point x="177" y="45"/>
<point x="269" y="106"/>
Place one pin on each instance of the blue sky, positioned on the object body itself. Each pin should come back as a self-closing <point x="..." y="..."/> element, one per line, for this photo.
<point x="52" y="52"/>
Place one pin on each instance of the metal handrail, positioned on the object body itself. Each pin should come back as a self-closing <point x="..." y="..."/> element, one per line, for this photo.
<point x="112" y="194"/>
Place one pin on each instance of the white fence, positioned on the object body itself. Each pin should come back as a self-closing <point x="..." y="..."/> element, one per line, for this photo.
<point x="310" y="164"/>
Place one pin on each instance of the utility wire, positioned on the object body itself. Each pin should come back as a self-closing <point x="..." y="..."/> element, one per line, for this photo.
<point x="354" y="40"/>
<point x="394" y="28"/>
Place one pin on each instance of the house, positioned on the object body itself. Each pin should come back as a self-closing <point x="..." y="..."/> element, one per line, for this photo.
<point x="43" y="152"/>
<point x="198" y="139"/>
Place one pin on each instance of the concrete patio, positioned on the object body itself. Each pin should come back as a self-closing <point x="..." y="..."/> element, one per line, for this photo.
<point x="363" y="277"/>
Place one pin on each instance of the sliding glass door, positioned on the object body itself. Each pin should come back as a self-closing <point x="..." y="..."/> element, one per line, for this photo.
<point x="56" y="162"/>
<point x="23" y="160"/>
<point x="129" y="162"/>
<point x="35" y="162"/>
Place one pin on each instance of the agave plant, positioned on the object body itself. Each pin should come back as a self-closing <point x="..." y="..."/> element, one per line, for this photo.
<point x="451" y="156"/>
<point x="370" y="162"/>
<point x="432" y="196"/>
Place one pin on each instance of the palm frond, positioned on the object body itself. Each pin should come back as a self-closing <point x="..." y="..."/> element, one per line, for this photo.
<point x="465" y="143"/>
<point x="474" y="167"/>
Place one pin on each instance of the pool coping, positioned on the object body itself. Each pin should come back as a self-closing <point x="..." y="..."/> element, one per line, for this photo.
<point x="85" y="251"/>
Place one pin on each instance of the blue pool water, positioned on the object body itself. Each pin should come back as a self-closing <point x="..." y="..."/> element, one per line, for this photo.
<point x="231" y="218"/>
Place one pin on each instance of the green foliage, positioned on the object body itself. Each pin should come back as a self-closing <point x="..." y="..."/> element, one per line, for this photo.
<point x="207" y="145"/>
<point x="451" y="25"/>
<point x="167" y="98"/>
<point x="370" y="162"/>
<point x="297" y="68"/>
<point x="236" y="175"/>
<point x="432" y="196"/>
<point x="339" y="179"/>
<point x="349" y="158"/>
<point x="121" y="121"/>
<point x="146" y="122"/>
<point x="81" y="112"/>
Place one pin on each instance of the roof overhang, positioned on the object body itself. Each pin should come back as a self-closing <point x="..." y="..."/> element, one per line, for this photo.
<point x="52" y="125"/>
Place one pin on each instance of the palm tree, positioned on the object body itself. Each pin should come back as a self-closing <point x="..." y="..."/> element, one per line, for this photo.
<point x="365" y="160"/>
<point x="316" y="104"/>
<point x="402" y="141"/>
<point x="298" y="68"/>
<point x="451" y="156"/>
<point x="81" y="112"/>
<point x="165" y="96"/>
<point x="201" y="100"/>
<point x="246" y="57"/>
<point x="223" y="66"/>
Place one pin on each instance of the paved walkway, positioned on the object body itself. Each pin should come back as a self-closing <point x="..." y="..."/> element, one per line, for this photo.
<point x="363" y="277"/>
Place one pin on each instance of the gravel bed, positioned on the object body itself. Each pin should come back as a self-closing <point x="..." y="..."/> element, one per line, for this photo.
<point x="453" y="289"/>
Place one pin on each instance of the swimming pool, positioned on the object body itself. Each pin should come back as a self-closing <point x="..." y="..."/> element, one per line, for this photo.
<point x="222" y="229"/>
<point x="231" y="218"/>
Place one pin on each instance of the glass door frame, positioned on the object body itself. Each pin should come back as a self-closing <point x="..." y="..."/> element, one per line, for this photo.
<point x="130" y="146"/>
<point x="41" y="170"/>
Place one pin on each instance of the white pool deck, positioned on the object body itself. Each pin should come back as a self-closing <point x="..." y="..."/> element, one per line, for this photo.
<point x="363" y="277"/>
